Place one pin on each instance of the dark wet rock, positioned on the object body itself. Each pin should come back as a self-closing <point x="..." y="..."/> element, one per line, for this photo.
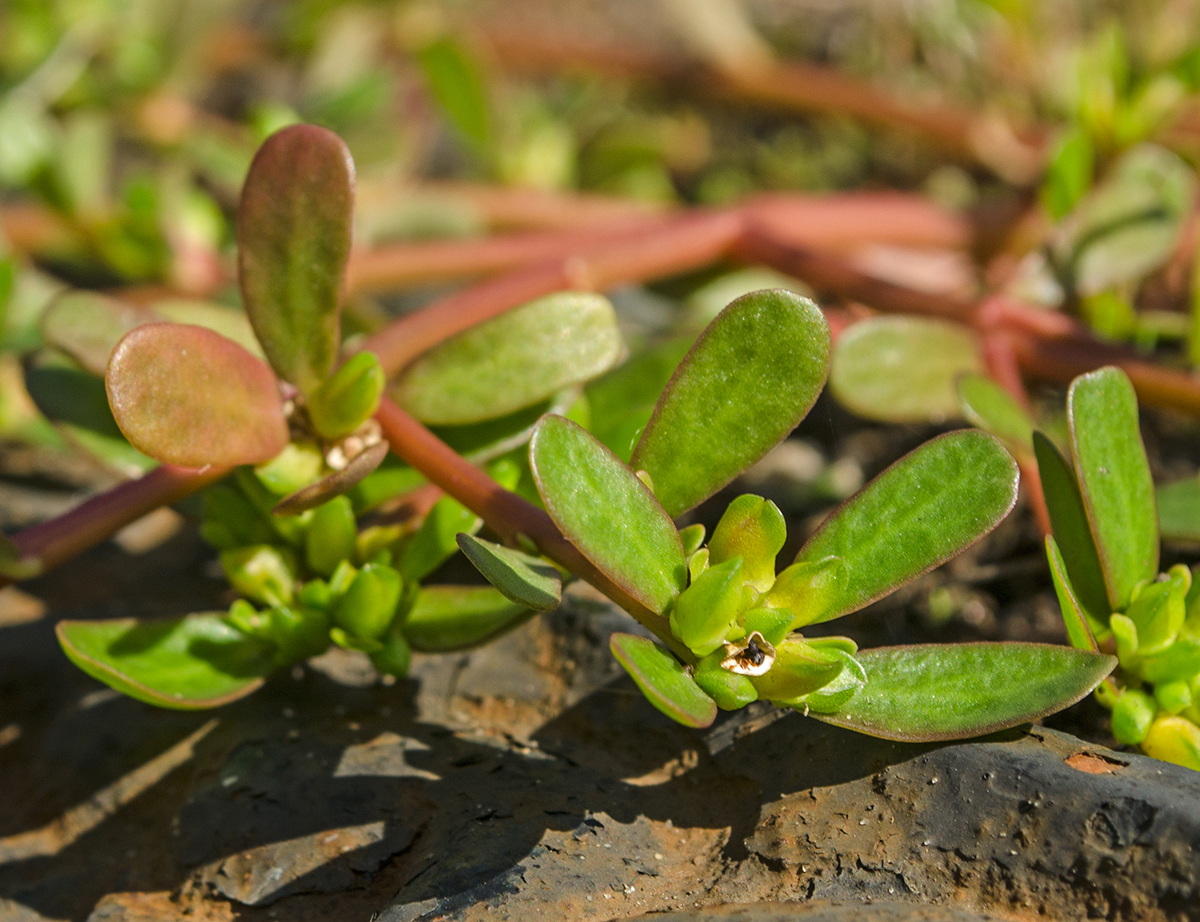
<point x="822" y="911"/>
<point x="529" y="778"/>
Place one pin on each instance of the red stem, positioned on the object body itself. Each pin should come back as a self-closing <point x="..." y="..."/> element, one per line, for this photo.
<point x="677" y="246"/>
<point x="506" y="513"/>
<point x="95" y="519"/>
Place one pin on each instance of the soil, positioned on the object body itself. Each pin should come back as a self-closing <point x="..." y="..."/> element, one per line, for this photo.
<point x="529" y="778"/>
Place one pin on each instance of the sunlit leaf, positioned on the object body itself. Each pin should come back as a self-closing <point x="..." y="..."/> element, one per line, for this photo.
<point x="920" y="512"/>
<point x="1079" y="631"/>
<point x="514" y="360"/>
<point x="953" y="691"/>
<point x="188" y="396"/>
<point x="521" y="577"/>
<point x="453" y="617"/>
<point x="1114" y="480"/>
<point x="1071" y="530"/>
<point x="186" y="663"/>
<point x="1179" y="510"/>
<point x="663" y="680"/>
<point x="987" y="405"/>
<point x="87" y="326"/>
<point x="606" y="512"/>
<point x="903" y="369"/>
<point x="294" y="225"/>
<point x="745" y="384"/>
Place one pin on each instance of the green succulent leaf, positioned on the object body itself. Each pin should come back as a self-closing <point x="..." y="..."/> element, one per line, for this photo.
<point x="187" y="396"/>
<point x="903" y="369"/>
<point x="987" y="405"/>
<point x="185" y="663"/>
<point x="1173" y="739"/>
<point x="1073" y="534"/>
<point x="448" y="618"/>
<point x="1079" y="631"/>
<point x="754" y="529"/>
<point x="953" y="691"/>
<point x="512" y="361"/>
<point x="663" y="680"/>
<point x="330" y="536"/>
<point x="436" y="540"/>
<point x="369" y="603"/>
<point x="1179" y="510"/>
<point x="347" y="398"/>
<point x="521" y="577"/>
<point x="920" y="512"/>
<point x="293" y="230"/>
<point x="607" y="512"/>
<point x="705" y="611"/>
<point x="728" y="689"/>
<point x="745" y="384"/>
<point x="800" y="668"/>
<point x="87" y="326"/>
<point x="1158" y="610"/>
<point x="1114" y="480"/>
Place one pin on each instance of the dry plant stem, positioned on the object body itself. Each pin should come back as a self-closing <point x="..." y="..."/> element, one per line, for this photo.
<point x="95" y="519"/>
<point x="506" y="513"/>
<point x="680" y="245"/>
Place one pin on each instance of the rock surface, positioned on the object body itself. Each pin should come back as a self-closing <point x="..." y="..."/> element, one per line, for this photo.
<point x="530" y="779"/>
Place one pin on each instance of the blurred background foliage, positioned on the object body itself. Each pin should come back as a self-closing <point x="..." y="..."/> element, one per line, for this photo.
<point x="126" y="127"/>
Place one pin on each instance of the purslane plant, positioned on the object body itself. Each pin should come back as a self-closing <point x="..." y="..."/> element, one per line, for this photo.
<point x="726" y="619"/>
<point x="286" y="522"/>
<point x="1104" y="558"/>
<point x="728" y="623"/>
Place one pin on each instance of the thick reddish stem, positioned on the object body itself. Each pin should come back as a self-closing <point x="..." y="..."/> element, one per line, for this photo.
<point x="683" y="244"/>
<point x="397" y="265"/>
<point x="506" y="513"/>
<point x="97" y="518"/>
<point x="828" y="272"/>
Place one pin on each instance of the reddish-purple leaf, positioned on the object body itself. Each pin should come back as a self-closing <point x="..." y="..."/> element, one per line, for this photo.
<point x="188" y="396"/>
<point x="294" y="229"/>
